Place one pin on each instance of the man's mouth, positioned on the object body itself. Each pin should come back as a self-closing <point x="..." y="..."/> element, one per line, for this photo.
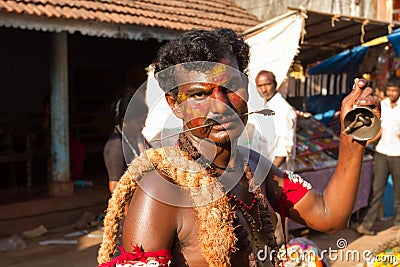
<point x="221" y="123"/>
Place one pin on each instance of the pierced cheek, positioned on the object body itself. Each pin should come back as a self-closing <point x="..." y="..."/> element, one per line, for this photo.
<point x="197" y="122"/>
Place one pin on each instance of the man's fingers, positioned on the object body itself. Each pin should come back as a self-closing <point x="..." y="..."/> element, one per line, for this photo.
<point x="366" y="98"/>
<point x="357" y="89"/>
<point x="361" y="95"/>
<point x="361" y="83"/>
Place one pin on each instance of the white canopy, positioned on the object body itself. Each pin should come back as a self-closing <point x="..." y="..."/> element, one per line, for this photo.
<point x="272" y="46"/>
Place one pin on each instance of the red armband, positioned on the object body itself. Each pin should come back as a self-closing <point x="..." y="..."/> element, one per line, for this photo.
<point x="160" y="258"/>
<point x="294" y="189"/>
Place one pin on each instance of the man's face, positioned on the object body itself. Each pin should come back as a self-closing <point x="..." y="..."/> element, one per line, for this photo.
<point x="265" y="86"/>
<point x="393" y="92"/>
<point x="218" y="95"/>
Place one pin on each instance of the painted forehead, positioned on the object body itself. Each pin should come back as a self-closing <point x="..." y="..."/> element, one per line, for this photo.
<point x="210" y="72"/>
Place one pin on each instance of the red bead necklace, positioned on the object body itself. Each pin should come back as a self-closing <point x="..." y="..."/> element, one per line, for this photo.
<point x="241" y="203"/>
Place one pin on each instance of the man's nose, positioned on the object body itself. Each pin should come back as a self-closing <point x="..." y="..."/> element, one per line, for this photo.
<point x="262" y="88"/>
<point x="219" y="100"/>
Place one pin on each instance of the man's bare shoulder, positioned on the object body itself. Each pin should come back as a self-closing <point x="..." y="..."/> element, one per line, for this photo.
<point x="155" y="223"/>
<point x="160" y="187"/>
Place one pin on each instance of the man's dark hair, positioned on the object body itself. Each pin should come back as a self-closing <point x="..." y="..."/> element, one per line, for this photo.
<point x="199" y="45"/>
<point x="393" y="81"/>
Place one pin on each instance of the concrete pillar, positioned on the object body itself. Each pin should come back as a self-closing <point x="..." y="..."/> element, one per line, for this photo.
<point x="60" y="184"/>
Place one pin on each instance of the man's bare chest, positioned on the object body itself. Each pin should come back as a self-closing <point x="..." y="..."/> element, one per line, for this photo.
<point x="188" y="250"/>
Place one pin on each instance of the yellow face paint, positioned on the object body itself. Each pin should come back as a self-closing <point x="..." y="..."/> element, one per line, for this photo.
<point x="182" y="97"/>
<point x="196" y="113"/>
<point x="218" y="74"/>
<point x="216" y="70"/>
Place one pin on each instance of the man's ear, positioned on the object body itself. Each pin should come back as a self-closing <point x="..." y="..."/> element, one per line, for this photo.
<point x="174" y="105"/>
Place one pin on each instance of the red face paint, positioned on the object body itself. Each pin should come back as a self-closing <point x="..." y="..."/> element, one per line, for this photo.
<point x="195" y="111"/>
<point x="239" y="101"/>
<point x="220" y="93"/>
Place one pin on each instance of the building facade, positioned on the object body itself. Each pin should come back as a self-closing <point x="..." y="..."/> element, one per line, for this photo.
<point x="373" y="9"/>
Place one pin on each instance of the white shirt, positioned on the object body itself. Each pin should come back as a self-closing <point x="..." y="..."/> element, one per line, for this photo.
<point x="284" y="144"/>
<point x="389" y="144"/>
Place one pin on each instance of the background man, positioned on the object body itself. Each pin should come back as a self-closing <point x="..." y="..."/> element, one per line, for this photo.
<point x="284" y="146"/>
<point x="387" y="158"/>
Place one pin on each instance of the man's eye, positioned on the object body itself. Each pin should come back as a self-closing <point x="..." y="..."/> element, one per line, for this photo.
<point x="199" y="95"/>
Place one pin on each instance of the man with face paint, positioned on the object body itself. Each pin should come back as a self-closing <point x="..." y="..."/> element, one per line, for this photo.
<point x="205" y="201"/>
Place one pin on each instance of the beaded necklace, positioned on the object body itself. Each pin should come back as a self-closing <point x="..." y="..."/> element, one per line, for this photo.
<point x="255" y="226"/>
<point x="241" y="203"/>
<point x="263" y="225"/>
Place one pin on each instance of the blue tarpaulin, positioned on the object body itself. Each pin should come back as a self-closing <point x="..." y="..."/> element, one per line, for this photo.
<point x="346" y="62"/>
<point x="349" y="61"/>
<point x="388" y="198"/>
<point x="394" y="39"/>
<point x="323" y="107"/>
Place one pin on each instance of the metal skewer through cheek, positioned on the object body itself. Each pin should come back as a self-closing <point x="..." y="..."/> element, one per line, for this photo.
<point x="265" y="112"/>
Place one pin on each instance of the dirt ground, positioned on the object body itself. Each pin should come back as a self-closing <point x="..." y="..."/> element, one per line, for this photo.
<point x="81" y="254"/>
<point x="84" y="252"/>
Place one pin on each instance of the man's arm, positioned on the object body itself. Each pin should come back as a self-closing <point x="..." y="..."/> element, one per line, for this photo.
<point x="150" y="223"/>
<point x="329" y="211"/>
<point x="112" y="185"/>
<point x="115" y="162"/>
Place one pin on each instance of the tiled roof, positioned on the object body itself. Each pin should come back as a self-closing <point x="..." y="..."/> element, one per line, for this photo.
<point x="176" y="15"/>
